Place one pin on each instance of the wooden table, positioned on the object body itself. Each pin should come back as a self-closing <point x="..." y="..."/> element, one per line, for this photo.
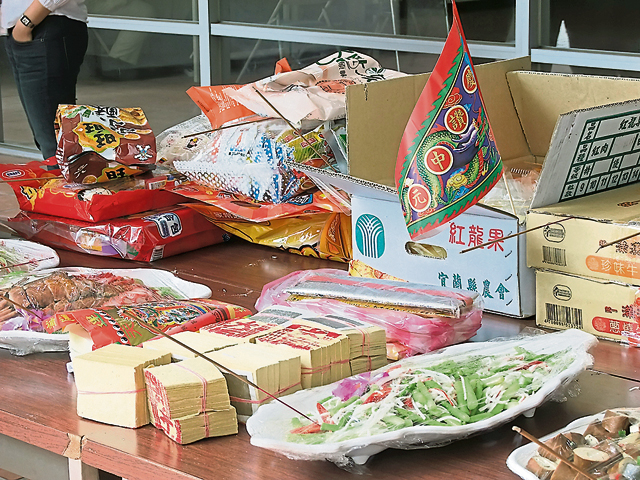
<point x="38" y="398"/>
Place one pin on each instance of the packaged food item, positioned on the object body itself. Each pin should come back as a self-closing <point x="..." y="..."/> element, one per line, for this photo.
<point x="179" y="142"/>
<point x="43" y="191"/>
<point x="110" y="384"/>
<point x="224" y="206"/>
<point x="607" y="445"/>
<point x="124" y="324"/>
<point x="420" y="317"/>
<point x="316" y="92"/>
<point x="89" y="168"/>
<point x="98" y="143"/>
<point x="424" y="401"/>
<point x="218" y="106"/>
<point x="145" y="237"/>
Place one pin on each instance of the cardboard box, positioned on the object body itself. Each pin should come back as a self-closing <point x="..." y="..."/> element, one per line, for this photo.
<point x="572" y="246"/>
<point x="606" y="309"/>
<point x="528" y="113"/>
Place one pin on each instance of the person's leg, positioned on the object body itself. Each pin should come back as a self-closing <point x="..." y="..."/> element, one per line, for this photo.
<point x="46" y="71"/>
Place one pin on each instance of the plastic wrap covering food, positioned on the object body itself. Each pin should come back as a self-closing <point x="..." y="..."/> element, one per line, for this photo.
<point x="22" y="256"/>
<point x="121" y="324"/>
<point x="31" y="299"/>
<point x="180" y="143"/>
<point x="316" y="92"/>
<point x="424" y="401"/>
<point x="517" y="189"/>
<point x="37" y="193"/>
<point x="420" y="317"/>
<point x="251" y="159"/>
<point x="143" y="237"/>
<point x="605" y="445"/>
<point x="98" y="144"/>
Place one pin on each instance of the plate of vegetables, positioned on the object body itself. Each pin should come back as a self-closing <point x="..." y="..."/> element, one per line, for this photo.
<point x="423" y="401"/>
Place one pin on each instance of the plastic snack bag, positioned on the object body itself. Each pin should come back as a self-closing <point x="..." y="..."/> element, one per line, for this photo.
<point x="144" y="237"/>
<point x="316" y="92"/>
<point x="97" y="144"/>
<point x="40" y="190"/>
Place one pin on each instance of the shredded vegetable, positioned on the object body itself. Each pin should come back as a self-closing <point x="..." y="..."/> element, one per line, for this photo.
<point x="451" y="393"/>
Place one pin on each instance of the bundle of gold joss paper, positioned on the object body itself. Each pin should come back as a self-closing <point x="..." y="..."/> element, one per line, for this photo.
<point x="273" y="370"/>
<point x="189" y="401"/>
<point x="111" y="385"/>
<point x="197" y="341"/>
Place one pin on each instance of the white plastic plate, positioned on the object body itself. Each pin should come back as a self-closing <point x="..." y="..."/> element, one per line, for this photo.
<point x="270" y="425"/>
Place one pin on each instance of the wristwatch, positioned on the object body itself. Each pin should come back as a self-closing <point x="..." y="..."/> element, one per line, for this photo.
<point x="26" y="21"/>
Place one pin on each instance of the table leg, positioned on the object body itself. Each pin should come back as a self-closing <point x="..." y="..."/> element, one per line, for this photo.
<point x="36" y="463"/>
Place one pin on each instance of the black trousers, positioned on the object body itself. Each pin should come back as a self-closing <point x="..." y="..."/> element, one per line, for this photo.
<point x="46" y="71"/>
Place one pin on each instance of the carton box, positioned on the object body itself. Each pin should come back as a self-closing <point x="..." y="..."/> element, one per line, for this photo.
<point x="535" y="119"/>
<point x="606" y="309"/>
<point x="573" y="246"/>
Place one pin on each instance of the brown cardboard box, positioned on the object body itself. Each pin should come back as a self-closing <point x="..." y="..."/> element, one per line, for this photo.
<point x="536" y="118"/>
<point x="606" y="309"/>
<point x="573" y="246"/>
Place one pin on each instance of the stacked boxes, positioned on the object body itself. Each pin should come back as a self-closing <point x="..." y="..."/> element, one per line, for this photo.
<point x="581" y="284"/>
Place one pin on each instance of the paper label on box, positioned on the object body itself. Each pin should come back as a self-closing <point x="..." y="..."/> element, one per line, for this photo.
<point x="599" y="150"/>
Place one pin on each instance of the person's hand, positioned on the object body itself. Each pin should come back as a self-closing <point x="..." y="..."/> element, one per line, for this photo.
<point x="6" y="311"/>
<point x="21" y="33"/>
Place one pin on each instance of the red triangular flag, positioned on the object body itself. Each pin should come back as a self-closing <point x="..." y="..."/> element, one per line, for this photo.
<point x="447" y="159"/>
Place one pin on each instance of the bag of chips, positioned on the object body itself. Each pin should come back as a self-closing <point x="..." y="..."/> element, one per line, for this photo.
<point x="97" y="144"/>
<point x="41" y="190"/>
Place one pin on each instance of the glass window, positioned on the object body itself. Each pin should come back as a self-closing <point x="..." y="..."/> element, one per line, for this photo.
<point x="592" y="24"/>
<point x="486" y="20"/>
<point x="159" y="9"/>
<point x="251" y="60"/>
<point x="137" y="69"/>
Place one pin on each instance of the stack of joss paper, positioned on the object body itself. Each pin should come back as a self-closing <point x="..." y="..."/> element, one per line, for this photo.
<point x="111" y="384"/>
<point x="366" y="345"/>
<point x="323" y="353"/>
<point x="189" y="401"/>
<point x="272" y="370"/>
<point x="243" y="330"/>
<point x="197" y="341"/>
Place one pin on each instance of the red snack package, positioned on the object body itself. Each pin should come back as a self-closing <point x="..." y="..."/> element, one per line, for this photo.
<point x="43" y="191"/>
<point x="119" y="135"/>
<point x="119" y="325"/>
<point x="144" y="237"/>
